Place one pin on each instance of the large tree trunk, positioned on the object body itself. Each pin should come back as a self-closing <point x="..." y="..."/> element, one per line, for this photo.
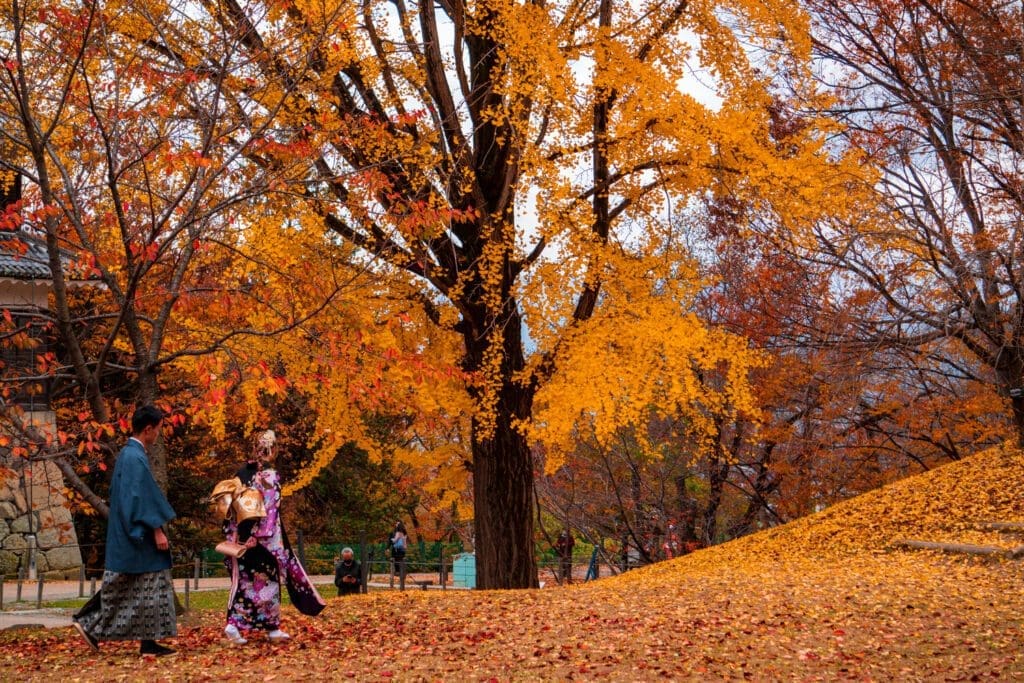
<point x="502" y="501"/>
<point x="502" y="463"/>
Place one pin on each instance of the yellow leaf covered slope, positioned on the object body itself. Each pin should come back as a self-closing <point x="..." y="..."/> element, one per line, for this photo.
<point x="946" y="504"/>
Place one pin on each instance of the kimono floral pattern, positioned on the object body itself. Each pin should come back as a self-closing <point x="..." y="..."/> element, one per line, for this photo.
<point x="255" y="601"/>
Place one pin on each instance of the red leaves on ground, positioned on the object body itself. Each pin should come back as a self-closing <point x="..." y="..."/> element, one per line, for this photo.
<point x="769" y="609"/>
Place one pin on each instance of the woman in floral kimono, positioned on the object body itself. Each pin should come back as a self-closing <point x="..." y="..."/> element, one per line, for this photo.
<point x="254" y="602"/>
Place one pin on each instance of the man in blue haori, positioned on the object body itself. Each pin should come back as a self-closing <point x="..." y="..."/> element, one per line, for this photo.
<point x="137" y="598"/>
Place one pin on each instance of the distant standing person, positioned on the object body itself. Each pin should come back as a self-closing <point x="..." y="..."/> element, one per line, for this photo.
<point x="136" y="601"/>
<point x="399" y="543"/>
<point x="564" y="546"/>
<point x="347" y="576"/>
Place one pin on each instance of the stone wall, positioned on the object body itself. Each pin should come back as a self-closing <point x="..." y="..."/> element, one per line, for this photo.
<point x="32" y="500"/>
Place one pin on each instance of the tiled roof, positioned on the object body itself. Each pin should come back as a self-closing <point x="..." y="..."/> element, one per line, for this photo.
<point x="23" y="256"/>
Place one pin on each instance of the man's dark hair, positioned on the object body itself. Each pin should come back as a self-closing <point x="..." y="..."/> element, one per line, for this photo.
<point x="146" y="416"/>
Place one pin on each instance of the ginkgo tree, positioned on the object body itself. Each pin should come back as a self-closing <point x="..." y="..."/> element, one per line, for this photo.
<point x="523" y="162"/>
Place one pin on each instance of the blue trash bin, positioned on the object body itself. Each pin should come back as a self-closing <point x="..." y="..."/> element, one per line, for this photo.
<point x="464" y="570"/>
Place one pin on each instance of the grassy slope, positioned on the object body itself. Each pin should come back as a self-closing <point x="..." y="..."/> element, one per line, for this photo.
<point x="822" y="598"/>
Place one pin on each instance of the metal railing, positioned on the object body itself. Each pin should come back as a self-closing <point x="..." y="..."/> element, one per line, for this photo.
<point x="429" y="570"/>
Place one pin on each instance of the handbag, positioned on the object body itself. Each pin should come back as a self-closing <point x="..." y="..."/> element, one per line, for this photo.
<point x="231" y="549"/>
